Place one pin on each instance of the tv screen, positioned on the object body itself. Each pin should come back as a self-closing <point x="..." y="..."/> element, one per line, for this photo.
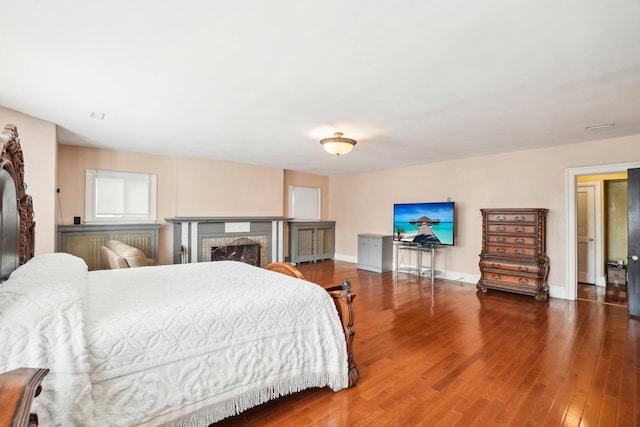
<point x="424" y="223"/>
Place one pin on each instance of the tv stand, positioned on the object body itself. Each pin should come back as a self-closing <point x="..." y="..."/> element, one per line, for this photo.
<point x="404" y="248"/>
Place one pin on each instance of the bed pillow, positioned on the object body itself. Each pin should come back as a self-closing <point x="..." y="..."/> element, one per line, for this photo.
<point x="59" y="264"/>
<point x="134" y="256"/>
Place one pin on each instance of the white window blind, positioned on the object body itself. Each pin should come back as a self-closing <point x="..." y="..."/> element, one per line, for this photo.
<point x="120" y="196"/>
<point x="304" y="202"/>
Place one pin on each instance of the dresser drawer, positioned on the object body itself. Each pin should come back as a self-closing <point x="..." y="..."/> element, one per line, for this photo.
<point x="534" y="268"/>
<point x="493" y="249"/>
<point x="518" y="279"/>
<point x="512" y="217"/>
<point x="511" y="240"/>
<point x="511" y="228"/>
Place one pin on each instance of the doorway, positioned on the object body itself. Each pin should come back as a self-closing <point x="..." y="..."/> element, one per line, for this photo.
<point x="571" y="206"/>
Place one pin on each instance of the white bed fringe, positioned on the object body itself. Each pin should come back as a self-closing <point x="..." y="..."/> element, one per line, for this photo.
<point x="221" y="410"/>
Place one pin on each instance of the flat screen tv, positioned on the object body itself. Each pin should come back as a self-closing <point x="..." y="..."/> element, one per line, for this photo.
<point x="424" y="223"/>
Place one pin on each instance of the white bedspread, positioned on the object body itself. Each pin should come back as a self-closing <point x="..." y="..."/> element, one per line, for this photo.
<point x="42" y="308"/>
<point x="177" y="345"/>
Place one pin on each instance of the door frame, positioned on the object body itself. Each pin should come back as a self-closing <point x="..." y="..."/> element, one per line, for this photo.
<point x="571" y="249"/>
<point x="597" y="233"/>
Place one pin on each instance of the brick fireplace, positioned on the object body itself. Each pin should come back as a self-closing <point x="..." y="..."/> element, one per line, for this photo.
<point x="260" y="240"/>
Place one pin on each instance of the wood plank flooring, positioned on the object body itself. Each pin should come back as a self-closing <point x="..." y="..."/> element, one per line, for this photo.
<point x="612" y="293"/>
<point x="446" y="355"/>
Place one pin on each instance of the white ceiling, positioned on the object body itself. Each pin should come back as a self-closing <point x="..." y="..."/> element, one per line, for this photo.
<point x="262" y="81"/>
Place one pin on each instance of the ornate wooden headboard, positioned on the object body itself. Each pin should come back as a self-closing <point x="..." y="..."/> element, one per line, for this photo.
<point x="17" y="223"/>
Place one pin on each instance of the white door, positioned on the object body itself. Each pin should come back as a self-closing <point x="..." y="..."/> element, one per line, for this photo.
<point x="586" y="234"/>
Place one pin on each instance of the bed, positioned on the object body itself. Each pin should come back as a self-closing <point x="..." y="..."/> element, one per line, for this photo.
<point x="165" y="345"/>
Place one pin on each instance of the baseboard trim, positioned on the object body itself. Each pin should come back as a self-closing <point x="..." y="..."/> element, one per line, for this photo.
<point x="560" y="292"/>
<point x="346" y="258"/>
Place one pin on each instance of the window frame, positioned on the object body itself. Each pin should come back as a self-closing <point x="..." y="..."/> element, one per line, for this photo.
<point x="91" y="203"/>
<point x="307" y="205"/>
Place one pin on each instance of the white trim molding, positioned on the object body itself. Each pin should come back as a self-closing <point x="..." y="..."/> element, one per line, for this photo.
<point x="571" y="250"/>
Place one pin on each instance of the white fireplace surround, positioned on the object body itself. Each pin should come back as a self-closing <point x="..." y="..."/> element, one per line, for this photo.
<point x="191" y="234"/>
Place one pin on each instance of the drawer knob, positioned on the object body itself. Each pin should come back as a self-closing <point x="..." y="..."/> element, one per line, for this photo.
<point x="501" y="218"/>
<point x="519" y="218"/>
<point x="519" y="230"/>
<point x="519" y="240"/>
<point x="523" y="280"/>
<point x="496" y="276"/>
<point x="501" y="228"/>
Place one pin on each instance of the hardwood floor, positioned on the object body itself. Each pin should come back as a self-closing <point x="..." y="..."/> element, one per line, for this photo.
<point x="612" y="293"/>
<point x="446" y="355"/>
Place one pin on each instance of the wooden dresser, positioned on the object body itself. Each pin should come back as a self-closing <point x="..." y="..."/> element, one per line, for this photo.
<point x="513" y="254"/>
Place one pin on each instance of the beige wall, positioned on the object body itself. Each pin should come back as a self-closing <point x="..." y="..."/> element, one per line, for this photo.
<point x="186" y="186"/>
<point x="73" y="162"/>
<point x="218" y="188"/>
<point x="363" y="203"/>
<point x="307" y="180"/>
<point x="39" y="145"/>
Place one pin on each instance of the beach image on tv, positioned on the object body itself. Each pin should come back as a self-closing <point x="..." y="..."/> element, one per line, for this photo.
<point x="424" y="223"/>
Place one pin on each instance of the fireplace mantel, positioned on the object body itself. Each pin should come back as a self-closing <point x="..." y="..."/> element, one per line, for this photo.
<point x="189" y="233"/>
<point x="226" y="218"/>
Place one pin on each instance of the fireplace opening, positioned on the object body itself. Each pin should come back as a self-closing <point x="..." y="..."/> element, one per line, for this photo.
<point x="243" y="250"/>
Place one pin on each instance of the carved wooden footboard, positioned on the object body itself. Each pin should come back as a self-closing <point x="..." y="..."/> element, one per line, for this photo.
<point x="18" y="388"/>
<point x="343" y="299"/>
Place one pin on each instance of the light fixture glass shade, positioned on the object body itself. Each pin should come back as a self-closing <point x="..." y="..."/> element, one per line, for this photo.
<point x="338" y="145"/>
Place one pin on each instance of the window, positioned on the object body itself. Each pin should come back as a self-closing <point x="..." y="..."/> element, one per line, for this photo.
<point x="304" y="202"/>
<point x="120" y="196"/>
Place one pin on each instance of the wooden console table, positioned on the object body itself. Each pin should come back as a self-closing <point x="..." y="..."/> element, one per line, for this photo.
<point x="18" y="388"/>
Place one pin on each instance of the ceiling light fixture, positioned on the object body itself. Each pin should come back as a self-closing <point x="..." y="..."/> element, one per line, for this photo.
<point x="603" y="125"/>
<point x="337" y="144"/>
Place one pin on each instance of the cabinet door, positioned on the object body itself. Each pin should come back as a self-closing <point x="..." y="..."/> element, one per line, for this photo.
<point x="324" y="242"/>
<point x="364" y="250"/>
<point x="305" y="245"/>
<point x="375" y="252"/>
